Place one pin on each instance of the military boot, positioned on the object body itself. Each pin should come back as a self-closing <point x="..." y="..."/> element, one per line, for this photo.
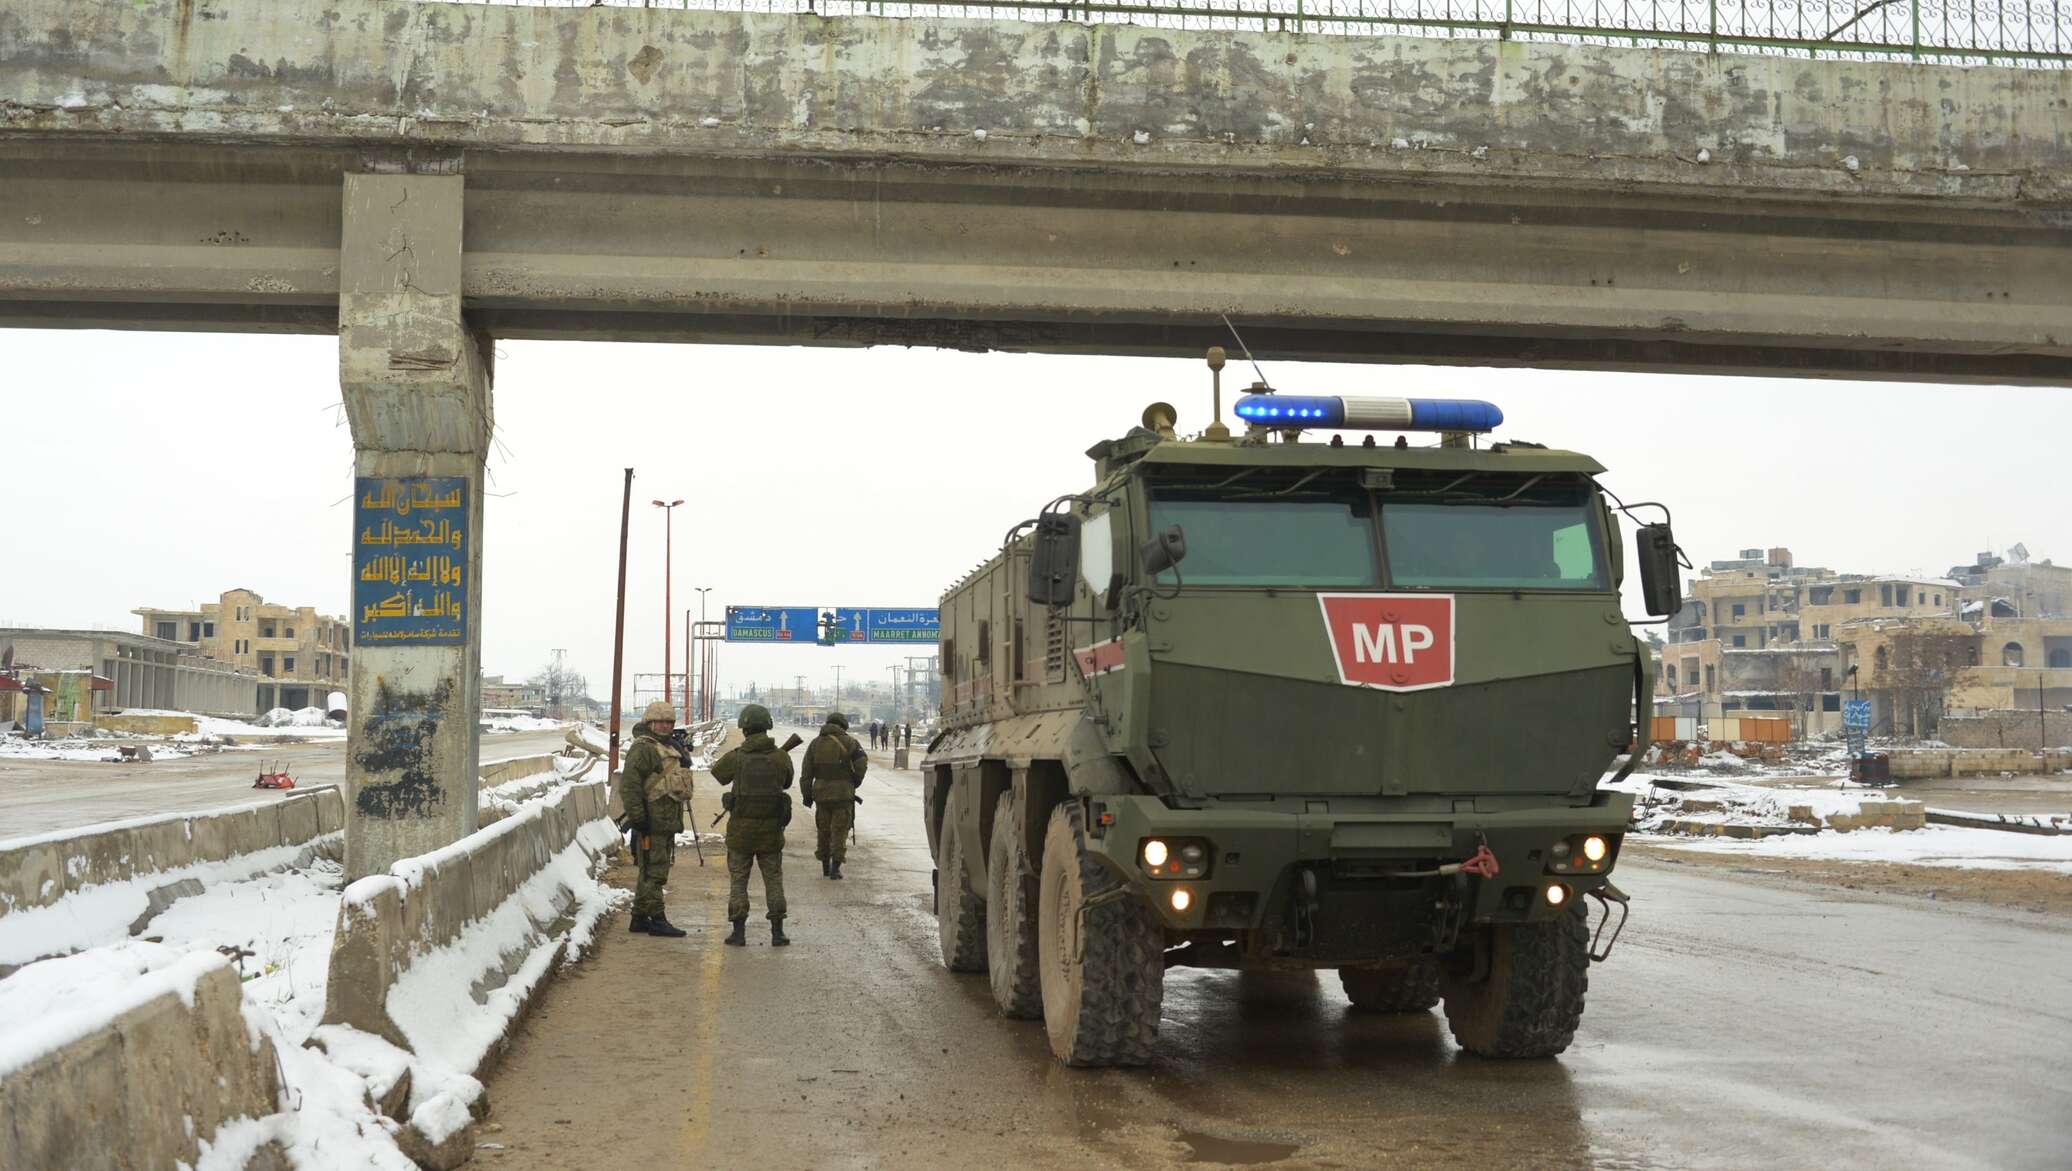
<point x="639" y="926"/>
<point x="834" y="868"/>
<point x="660" y="925"/>
<point x="826" y="868"/>
<point x="740" y="936"/>
<point x="777" y="936"/>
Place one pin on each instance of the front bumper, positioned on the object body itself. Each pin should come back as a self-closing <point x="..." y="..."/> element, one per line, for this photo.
<point x="1260" y="852"/>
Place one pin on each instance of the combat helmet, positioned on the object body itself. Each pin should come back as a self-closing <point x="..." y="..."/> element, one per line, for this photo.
<point x="658" y="710"/>
<point x="756" y="718"/>
<point x="838" y="720"/>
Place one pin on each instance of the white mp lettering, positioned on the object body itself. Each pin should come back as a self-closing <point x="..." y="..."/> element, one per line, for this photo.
<point x="1377" y="644"/>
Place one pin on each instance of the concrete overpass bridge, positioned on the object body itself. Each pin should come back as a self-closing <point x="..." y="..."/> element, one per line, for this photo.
<point x="417" y="177"/>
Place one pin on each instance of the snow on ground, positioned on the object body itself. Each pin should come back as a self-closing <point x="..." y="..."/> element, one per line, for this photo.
<point x="284" y="915"/>
<point x="79" y="748"/>
<point x="212" y="727"/>
<point x="1770" y="805"/>
<point x="103" y="913"/>
<point x="1934" y="845"/>
<point x="523" y="724"/>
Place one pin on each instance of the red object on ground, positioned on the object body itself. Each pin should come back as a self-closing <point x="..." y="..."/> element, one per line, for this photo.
<point x="277" y="779"/>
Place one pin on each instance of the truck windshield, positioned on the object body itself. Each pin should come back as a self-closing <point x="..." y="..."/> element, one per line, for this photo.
<point x="1551" y="546"/>
<point x="1316" y="543"/>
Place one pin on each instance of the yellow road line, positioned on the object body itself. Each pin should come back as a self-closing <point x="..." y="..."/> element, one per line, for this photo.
<point x="698" y="1128"/>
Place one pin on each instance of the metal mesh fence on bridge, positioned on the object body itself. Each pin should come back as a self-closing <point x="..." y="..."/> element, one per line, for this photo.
<point x="2028" y="33"/>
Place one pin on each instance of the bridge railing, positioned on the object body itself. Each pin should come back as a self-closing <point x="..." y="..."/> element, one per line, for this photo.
<point x="2028" y="33"/>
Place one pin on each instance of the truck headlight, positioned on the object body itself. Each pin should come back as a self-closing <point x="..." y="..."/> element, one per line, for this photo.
<point x="1174" y="858"/>
<point x="1594" y="848"/>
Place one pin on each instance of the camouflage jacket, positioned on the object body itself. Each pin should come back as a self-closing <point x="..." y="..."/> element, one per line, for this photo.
<point x="761" y="777"/>
<point x="835" y="764"/>
<point x="654" y="786"/>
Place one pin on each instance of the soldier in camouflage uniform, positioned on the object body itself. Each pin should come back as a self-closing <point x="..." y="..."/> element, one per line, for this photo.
<point x="655" y="789"/>
<point x="760" y="808"/>
<point x="835" y="764"/>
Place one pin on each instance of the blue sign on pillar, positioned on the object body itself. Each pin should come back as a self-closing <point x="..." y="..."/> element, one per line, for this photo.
<point x="410" y="559"/>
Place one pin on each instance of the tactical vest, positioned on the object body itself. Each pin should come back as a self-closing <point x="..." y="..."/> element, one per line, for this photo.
<point x="828" y="768"/>
<point x="673" y="780"/>
<point x="759" y="790"/>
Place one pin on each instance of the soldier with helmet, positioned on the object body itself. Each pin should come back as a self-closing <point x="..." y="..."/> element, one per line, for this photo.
<point x="760" y="807"/>
<point x="655" y="790"/>
<point x="835" y="764"/>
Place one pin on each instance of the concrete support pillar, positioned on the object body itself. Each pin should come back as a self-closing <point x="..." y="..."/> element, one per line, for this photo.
<point x="416" y="387"/>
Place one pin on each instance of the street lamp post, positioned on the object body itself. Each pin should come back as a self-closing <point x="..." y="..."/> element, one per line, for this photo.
<point x="704" y="660"/>
<point x="687" y="644"/>
<point x="838" y="688"/>
<point x="668" y="559"/>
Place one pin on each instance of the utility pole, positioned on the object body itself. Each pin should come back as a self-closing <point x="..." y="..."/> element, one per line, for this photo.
<point x="705" y="661"/>
<point x="687" y="630"/>
<point x="894" y="668"/>
<point x="668" y="565"/>
<point x="619" y="624"/>
<point x="838" y="687"/>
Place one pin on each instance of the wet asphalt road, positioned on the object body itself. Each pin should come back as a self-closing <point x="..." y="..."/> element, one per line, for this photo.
<point x="37" y="796"/>
<point x="1739" y="1024"/>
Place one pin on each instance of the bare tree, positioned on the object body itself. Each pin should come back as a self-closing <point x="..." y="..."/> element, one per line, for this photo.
<point x="1798" y="678"/>
<point x="563" y="687"/>
<point x="1917" y="671"/>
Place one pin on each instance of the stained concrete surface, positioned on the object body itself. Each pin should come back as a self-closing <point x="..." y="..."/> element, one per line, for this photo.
<point x="1736" y="1025"/>
<point x="37" y="796"/>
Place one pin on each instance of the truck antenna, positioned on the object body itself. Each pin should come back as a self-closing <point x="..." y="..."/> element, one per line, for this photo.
<point x="1247" y="349"/>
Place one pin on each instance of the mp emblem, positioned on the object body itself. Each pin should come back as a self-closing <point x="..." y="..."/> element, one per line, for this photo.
<point x="1396" y="642"/>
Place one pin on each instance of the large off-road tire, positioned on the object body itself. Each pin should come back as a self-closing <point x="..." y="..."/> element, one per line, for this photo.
<point x="1533" y="999"/>
<point x="1103" y="967"/>
<point x="1011" y="916"/>
<point x="960" y="915"/>
<point x="1410" y="987"/>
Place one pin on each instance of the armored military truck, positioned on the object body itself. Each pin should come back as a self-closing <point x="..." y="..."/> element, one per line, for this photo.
<point x="1295" y="699"/>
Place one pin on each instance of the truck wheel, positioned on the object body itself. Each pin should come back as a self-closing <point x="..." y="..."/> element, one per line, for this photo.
<point x="1011" y="917"/>
<point x="1533" y="999"/>
<point x="960" y="915"/>
<point x="1411" y="987"/>
<point x="1103" y="967"/>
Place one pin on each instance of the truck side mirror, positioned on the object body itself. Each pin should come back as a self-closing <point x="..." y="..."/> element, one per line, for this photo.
<point x="1660" y="587"/>
<point x="1165" y="550"/>
<point x="1054" y="563"/>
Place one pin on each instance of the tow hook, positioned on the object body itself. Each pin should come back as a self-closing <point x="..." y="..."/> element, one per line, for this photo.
<point x="1605" y="898"/>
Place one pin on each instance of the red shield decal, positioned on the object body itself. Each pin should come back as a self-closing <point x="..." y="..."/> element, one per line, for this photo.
<point x="1396" y="642"/>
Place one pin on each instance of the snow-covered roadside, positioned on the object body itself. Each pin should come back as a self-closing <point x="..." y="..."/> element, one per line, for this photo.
<point x="1780" y="807"/>
<point x="1934" y="845"/>
<point x="283" y="923"/>
<point x="95" y="749"/>
<point x="102" y="914"/>
<point x="524" y="724"/>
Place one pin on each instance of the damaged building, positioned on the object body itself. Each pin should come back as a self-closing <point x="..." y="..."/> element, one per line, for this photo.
<point x="1759" y="634"/>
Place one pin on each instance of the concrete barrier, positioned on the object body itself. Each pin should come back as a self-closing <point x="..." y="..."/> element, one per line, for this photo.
<point x="1916" y="763"/>
<point x="387" y="922"/>
<point x="497" y="772"/>
<point x="38" y="871"/>
<point x="143" y="724"/>
<point x="142" y="1089"/>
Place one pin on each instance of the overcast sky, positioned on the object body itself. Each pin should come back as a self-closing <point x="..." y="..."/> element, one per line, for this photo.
<point x="162" y="469"/>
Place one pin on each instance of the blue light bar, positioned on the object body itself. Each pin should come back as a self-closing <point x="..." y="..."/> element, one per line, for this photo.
<point x="1362" y="412"/>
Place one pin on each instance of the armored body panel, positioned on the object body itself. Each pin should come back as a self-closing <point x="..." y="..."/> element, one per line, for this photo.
<point x="1310" y="705"/>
